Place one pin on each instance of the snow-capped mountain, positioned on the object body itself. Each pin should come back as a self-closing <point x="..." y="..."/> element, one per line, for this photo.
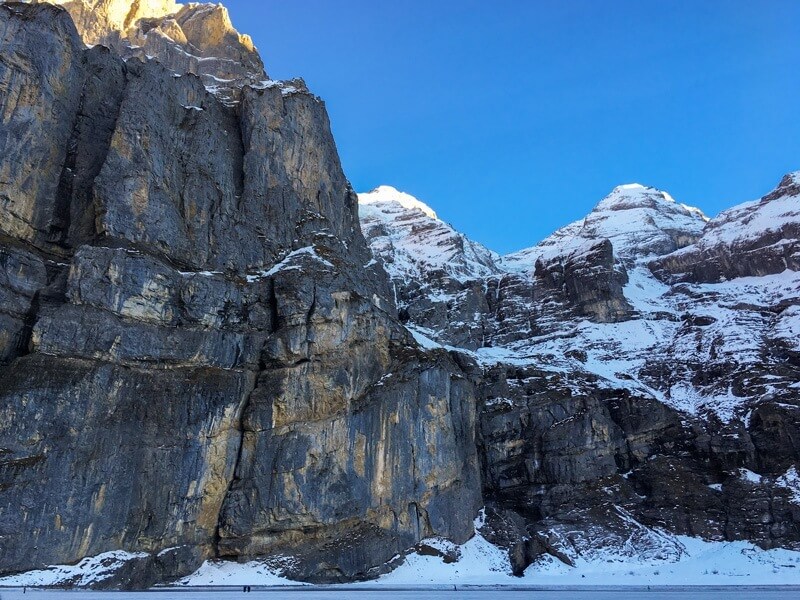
<point x="610" y="368"/>
<point x="610" y="290"/>
<point x="432" y="266"/>
<point x="639" y="221"/>
<point x="412" y="241"/>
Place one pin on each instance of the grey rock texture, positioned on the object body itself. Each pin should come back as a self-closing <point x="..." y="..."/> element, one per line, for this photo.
<point x="585" y="281"/>
<point x="563" y="455"/>
<point x="22" y="278"/>
<point x="198" y="356"/>
<point x="39" y="73"/>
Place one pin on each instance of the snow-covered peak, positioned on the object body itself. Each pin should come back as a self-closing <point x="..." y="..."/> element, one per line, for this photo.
<point x="412" y="241"/>
<point x="640" y="221"/>
<point x="636" y="195"/>
<point x="777" y="213"/>
<point x="789" y="187"/>
<point x="387" y="194"/>
<point x="792" y="178"/>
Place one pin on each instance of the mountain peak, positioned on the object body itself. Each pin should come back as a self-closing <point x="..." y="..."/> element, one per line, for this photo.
<point x="793" y="177"/>
<point x="413" y="241"/>
<point x="788" y="186"/>
<point x="389" y="194"/>
<point x="631" y="187"/>
<point x="634" y="195"/>
<point x="640" y="221"/>
<point x="95" y="19"/>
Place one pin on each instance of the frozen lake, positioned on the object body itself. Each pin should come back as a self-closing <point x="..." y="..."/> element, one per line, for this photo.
<point x="631" y="593"/>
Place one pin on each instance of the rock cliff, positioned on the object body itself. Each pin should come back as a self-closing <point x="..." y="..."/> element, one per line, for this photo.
<point x="196" y="38"/>
<point x="200" y="358"/>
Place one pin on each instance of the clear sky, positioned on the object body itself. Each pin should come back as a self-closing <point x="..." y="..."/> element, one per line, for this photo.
<point x="512" y="118"/>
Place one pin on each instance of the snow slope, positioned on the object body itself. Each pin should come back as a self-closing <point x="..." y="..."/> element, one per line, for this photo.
<point x="89" y="571"/>
<point x="752" y="220"/>
<point x="411" y="240"/>
<point x="698" y="562"/>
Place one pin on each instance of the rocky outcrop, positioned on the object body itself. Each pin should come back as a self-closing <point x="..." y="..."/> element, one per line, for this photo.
<point x="196" y="38"/>
<point x="752" y="240"/>
<point x="585" y="280"/>
<point x="565" y="454"/>
<point x="199" y="357"/>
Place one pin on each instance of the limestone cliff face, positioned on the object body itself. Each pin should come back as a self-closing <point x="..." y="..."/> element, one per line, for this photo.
<point x="196" y="38"/>
<point x="198" y="356"/>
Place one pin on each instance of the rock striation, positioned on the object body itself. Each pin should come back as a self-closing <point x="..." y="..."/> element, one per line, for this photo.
<point x="200" y="358"/>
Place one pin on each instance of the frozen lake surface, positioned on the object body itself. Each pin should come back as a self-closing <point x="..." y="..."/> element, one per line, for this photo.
<point x="629" y="593"/>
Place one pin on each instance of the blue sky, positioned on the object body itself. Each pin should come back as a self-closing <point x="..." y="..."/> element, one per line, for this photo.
<point x="512" y="118"/>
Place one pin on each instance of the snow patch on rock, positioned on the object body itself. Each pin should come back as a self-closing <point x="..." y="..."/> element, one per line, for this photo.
<point x="90" y="571"/>
<point x="224" y="573"/>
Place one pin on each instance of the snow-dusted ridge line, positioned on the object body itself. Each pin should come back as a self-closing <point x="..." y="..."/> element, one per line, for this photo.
<point x="411" y="240"/>
<point x="639" y="220"/>
<point x="741" y="318"/>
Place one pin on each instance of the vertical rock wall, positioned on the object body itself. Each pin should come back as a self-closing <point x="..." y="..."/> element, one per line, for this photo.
<point x="198" y="356"/>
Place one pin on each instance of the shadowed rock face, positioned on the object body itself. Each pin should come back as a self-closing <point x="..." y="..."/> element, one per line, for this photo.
<point x="585" y="281"/>
<point x="198" y="357"/>
<point x="42" y="62"/>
